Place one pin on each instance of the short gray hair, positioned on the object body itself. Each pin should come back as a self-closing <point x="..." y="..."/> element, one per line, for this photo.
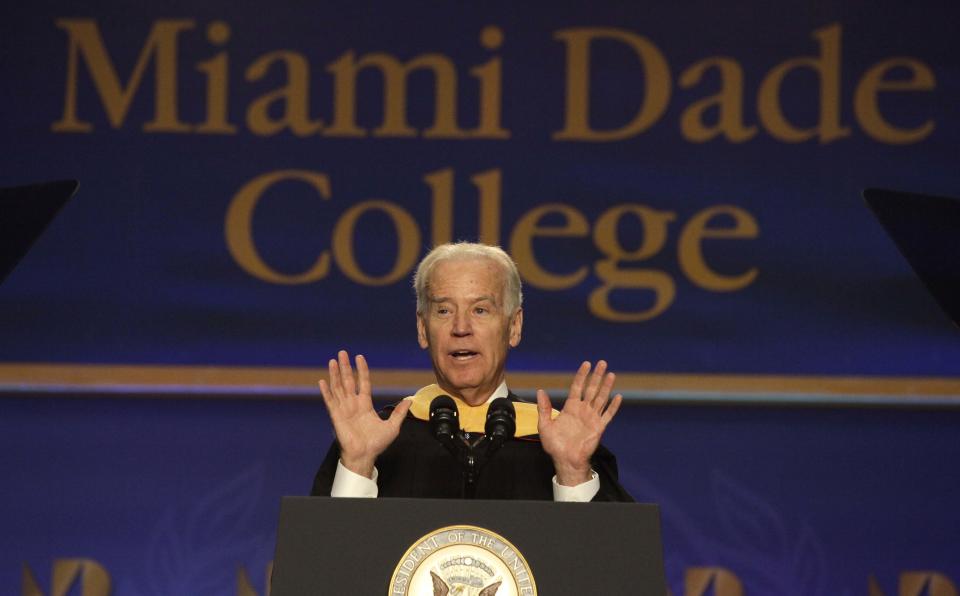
<point x="469" y="251"/>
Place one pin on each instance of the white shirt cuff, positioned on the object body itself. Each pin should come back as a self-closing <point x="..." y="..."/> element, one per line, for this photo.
<point x="351" y="484"/>
<point x="580" y="493"/>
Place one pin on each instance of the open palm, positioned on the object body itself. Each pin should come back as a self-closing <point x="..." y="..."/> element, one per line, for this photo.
<point x="361" y="432"/>
<point x="571" y="438"/>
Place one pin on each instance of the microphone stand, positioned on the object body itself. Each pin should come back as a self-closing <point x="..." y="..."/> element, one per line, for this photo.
<point x="472" y="455"/>
<point x="472" y="459"/>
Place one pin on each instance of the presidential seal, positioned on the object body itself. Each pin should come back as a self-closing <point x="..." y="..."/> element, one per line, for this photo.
<point x="462" y="561"/>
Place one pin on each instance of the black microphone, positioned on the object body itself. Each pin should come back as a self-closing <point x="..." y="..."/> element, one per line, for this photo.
<point x="501" y="423"/>
<point x="444" y="421"/>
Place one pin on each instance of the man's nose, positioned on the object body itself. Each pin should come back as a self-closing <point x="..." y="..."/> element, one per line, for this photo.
<point x="461" y="324"/>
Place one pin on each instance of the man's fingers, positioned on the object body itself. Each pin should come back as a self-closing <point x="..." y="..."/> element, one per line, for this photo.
<point x="611" y="411"/>
<point x="600" y="400"/>
<point x="399" y="413"/>
<point x="594" y="382"/>
<point x="346" y="373"/>
<point x="576" y="387"/>
<point x="363" y="375"/>
<point x="333" y="369"/>
<point x="544" y="409"/>
<point x="328" y="397"/>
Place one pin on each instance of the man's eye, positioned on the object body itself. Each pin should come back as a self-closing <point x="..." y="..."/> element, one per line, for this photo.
<point x="443" y="310"/>
<point x="480" y="310"/>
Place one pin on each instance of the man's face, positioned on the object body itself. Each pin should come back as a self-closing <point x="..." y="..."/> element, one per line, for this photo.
<point x="466" y="328"/>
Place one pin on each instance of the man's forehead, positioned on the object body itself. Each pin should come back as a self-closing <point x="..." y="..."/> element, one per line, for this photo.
<point x="477" y="278"/>
<point x="469" y="298"/>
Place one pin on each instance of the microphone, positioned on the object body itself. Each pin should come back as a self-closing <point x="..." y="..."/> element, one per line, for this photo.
<point x="444" y="421"/>
<point x="501" y="423"/>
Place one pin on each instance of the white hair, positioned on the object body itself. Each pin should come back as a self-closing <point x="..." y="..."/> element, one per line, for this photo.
<point x="469" y="251"/>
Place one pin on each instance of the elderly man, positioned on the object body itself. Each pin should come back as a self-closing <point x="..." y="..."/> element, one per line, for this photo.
<point x="468" y="317"/>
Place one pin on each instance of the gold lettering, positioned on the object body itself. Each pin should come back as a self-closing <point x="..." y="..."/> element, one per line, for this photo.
<point x="577" y="114"/>
<point x="344" y="123"/>
<point x="441" y="187"/>
<point x="245" y="586"/>
<point x="394" y="75"/>
<point x="94" y="579"/>
<point x="915" y="583"/>
<point x="490" y="77"/>
<point x="488" y="187"/>
<point x="239" y="227"/>
<point x="85" y="41"/>
<point x="408" y="242"/>
<point x="294" y="96"/>
<point x="690" y="247"/>
<point x="698" y="580"/>
<point x="827" y="68"/>
<point x="931" y="583"/>
<point x="28" y="583"/>
<point x="216" y="68"/>
<point x="729" y="103"/>
<point x="867" y="108"/>
<point x="528" y="227"/>
<point x="606" y="239"/>
<point x="873" y="588"/>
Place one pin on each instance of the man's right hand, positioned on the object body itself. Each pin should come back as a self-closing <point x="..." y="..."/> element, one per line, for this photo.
<point x="362" y="434"/>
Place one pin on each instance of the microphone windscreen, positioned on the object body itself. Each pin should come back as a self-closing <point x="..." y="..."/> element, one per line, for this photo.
<point x="501" y="419"/>
<point x="442" y="402"/>
<point x="444" y="418"/>
<point x="502" y="406"/>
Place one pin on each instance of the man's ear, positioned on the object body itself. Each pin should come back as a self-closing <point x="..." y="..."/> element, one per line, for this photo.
<point x="422" y="332"/>
<point x="516" y="327"/>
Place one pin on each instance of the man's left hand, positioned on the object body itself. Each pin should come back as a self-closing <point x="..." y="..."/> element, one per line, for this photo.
<point x="571" y="438"/>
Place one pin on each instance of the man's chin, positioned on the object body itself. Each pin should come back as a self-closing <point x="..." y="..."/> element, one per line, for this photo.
<point x="462" y="385"/>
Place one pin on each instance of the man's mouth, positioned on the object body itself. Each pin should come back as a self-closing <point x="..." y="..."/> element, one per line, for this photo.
<point x="463" y="354"/>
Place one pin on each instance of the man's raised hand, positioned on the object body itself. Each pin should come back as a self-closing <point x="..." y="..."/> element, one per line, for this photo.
<point x="362" y="434"/>
<point x="571" y="438"/>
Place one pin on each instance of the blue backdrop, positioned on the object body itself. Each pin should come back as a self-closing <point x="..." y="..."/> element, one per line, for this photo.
<point x="678" y="183"/>
<point x="175" y="497"/>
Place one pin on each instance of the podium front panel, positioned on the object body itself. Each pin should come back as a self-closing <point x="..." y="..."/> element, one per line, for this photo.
<point x="356" y="546"/>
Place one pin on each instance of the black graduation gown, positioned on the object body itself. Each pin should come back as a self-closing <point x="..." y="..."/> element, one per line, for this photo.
<point x="417" y="465"/>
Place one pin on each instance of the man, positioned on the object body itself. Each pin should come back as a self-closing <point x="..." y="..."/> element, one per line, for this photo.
<point x="469" y="314"/>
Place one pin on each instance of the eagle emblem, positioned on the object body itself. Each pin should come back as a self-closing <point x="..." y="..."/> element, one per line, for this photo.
<point x="440" y="588"/>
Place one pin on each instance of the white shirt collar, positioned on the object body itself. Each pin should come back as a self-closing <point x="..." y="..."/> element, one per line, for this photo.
<point x="500" y="391"/>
